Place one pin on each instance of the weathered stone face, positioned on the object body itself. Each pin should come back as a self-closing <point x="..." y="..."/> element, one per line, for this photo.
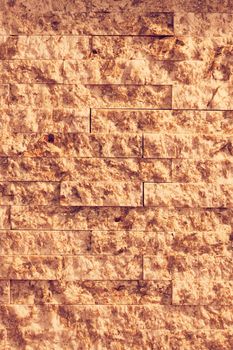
<point x="116" y="175"/>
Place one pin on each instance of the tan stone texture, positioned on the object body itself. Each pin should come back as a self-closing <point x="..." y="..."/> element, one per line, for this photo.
<point x="116" y="175"/>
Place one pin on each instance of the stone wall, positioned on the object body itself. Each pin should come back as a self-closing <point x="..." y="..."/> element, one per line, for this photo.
<point x="116" y="175"/>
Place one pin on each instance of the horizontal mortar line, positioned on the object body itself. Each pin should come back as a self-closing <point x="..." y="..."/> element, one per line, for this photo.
<point x="93" y="231"/>
<point x="86" y="304"/>
<point x="90" y="280"/>
<point x="93" y="35"/>
<point x="121" y="206"/>
<point x="88" y="254"/>
<point x="87" y="85"/>
<point x="80" y="207"/>
<point x="136" y="157"/>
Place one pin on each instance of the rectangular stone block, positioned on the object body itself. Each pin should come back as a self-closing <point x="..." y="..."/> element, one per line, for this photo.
<point x="105" y="267"/>
<point x="156" y="121"/>
<point x="73" y="326"/>
<point x="31" y="71"/>
<point x="93" y="169"/>
<point x="13" y="242"/>
<point x="24" y="193"/>
<point x="204" y="24"/>
<point x="47" y="96"/>
<point x="95" y="96"/>
<point x="4" y="95"/>
<point x="189" y="170"/>
<point x="144" y="71"/>
<point x="29" y="120"/>
<point x="4" y="217"/>
<point x="209" y="320"/>
<point x="30" y="267"/>
<point x="188" y="146"/>
<point x="216" y="242"/>
<point x="92" y="23"/>
<point x="123" y="5"/>
<point x="4" y="292"/>
<point x="71" y="145"/>
<point x="215" y="292"/>
<point x="130" y="96"/>
<point x="169" y="266"/>
<point x="207" y="95"/>
<point x="130" y="242"/>
<point x="150" y="48"/>
<point x="90" y="292"/>
<point x="104" y="193"/>
<point x="99" y="218"/>
<point x="44" y="47"/>
<point x="193" y="195"/>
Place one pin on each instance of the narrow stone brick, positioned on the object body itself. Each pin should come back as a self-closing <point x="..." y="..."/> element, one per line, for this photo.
<point x="95" y="96"/>
<point x="193" y="195"/>
<point x="13" y="242"/>
<point x="71" y="145"/>
<point x="144" y="71"/>
<point x="31" y="120"/>
<point x="100" y="218"/>
<point x="103" y="267"/>
<point x="30" y="71"/>
<point x="157" y="320"/>
<point x="189" y="170"/>
<point x="30" y="267"/>
<point x="90" y="292"/>
<point x="130" y="242"/>
<point x="4" y="96"/>
<point x="101" y="193"/>
<point x="172" y="121"/>
<point x="166" y="48"/>
<point x="204" y="24"/>
<point x="24" y="193"/>
<point x="92" y="169"/>
<point x="45" y="47"/>
<point x="92" y="23"/>
<point x="130" y="96"/>
<point x="204" y="95"/>
<point x="4" y="292"/>
<point x="186" y="146"/>
<point x="4" y="217"/>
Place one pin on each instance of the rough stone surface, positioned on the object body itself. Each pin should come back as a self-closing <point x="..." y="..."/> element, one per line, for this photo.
<point x="116" y="175"/>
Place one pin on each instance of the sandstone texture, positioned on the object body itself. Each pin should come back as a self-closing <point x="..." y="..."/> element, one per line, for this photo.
<point x="116" y="175"/>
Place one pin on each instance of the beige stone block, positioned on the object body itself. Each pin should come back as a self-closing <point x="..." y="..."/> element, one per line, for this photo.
<point x="204" y="24"/>
<point x="102" y="267"/>
<point x="45" y="47"/>
<point x="193" y="195"/>
<point x="210" y="171"/>
<point x="93" y="169"/>
<point x="162" y="121"/>
<point x="70" y="145"/>
<point x="188" y="146"/>
<point x="25" y="193"/>
<point x="205" y="95"/>
<point x="101" y="193"/>
<point x="130" y="242"/>
<point x="99" y="218"/>
<point x="4" y="217"/>
<point x="30" y="267"/>
<point x="4" y="292"/>
<point x="150" y="48"/>
<point x="33" y="120"/>
<point x="31" y="71"/>
<point x="90" y="292"/>
<point x="91" y="23"/>
<point x="13" y="242"/>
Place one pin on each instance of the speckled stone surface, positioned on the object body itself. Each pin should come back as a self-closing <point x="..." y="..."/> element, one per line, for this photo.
<point x="116" y="175"/>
